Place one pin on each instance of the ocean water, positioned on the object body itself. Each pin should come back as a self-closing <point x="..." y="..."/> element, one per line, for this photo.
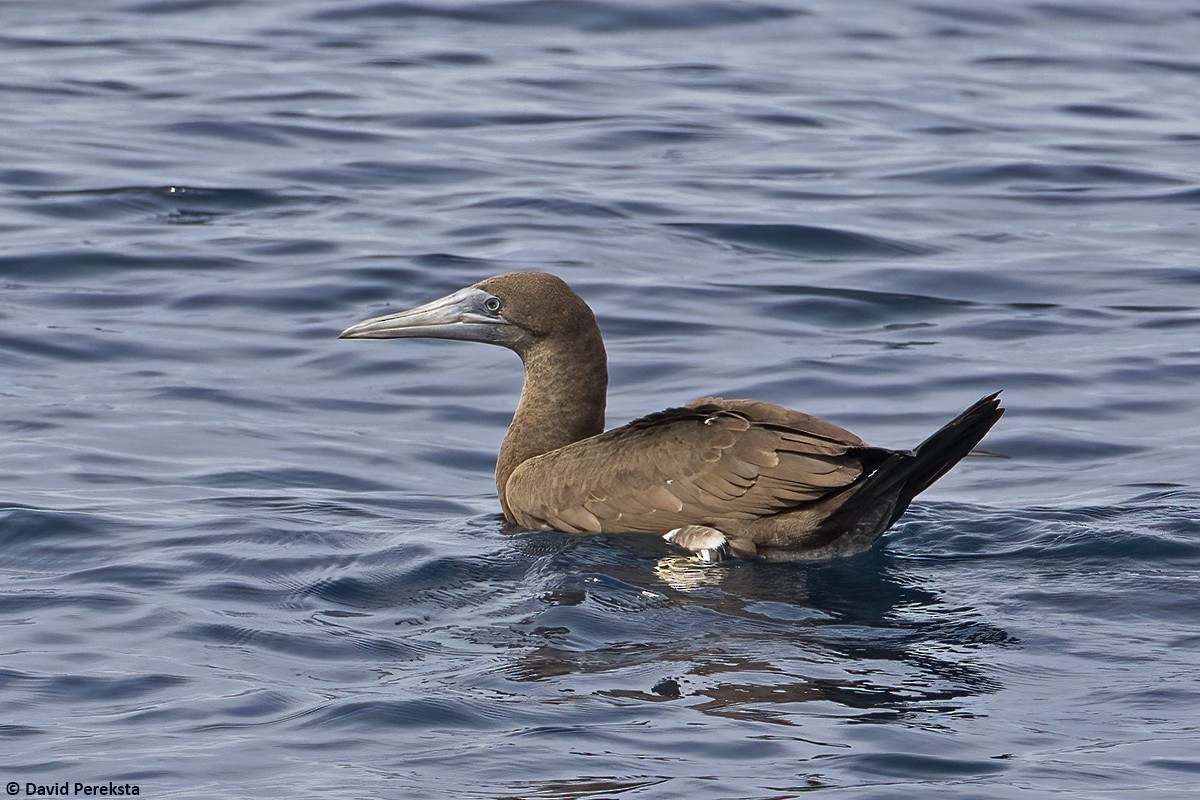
<point x="242" y="558"/>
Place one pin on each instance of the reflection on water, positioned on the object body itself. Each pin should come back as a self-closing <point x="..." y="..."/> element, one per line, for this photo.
<point x="756" y="642"/>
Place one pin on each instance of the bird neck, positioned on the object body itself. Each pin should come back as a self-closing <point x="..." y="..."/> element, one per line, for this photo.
<point x="562" y="401"/>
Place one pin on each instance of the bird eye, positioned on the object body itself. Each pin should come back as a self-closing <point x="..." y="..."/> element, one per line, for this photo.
<point x="492" y="304"/>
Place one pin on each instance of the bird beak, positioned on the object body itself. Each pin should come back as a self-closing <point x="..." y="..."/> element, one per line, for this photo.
<point x="461" y="315"/>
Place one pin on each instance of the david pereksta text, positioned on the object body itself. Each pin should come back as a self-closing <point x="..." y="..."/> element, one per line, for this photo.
<point x="74" y="789"/>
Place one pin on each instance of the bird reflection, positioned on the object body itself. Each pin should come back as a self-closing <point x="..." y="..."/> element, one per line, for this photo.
<point x="684" y="574"/>
<point x="758" y="642"/>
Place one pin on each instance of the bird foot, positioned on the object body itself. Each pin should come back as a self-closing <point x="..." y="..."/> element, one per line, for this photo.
<point x="709" y="544"/>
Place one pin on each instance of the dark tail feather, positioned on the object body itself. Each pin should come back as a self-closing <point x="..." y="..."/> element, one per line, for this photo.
<point x="934" y="457"/>
<point x="857" y="517"/>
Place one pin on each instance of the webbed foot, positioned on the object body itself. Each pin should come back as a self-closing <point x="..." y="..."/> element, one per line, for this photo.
<point x="709" y="544"/>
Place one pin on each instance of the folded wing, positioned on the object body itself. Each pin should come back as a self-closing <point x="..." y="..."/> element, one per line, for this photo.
<point x="713" y="460"/>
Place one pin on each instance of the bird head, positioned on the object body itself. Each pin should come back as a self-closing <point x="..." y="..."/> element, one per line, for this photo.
<point x="517" y="311"/>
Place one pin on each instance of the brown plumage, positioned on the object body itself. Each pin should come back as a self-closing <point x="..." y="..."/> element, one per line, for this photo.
<point x="716" y="476"/>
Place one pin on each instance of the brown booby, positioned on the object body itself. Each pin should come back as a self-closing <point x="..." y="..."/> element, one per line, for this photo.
<point x="716" y="477"/>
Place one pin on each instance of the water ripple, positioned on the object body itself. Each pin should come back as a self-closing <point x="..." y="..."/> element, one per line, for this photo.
<point x="73" y="264"/>
<point x="583" y="15"/>
<point x="806" y="240"/>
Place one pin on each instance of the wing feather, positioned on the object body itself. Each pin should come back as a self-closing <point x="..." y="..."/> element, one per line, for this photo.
<point x="709" y="461"/>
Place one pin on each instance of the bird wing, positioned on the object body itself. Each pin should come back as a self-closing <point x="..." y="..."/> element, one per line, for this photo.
<point x="709" y="461"/>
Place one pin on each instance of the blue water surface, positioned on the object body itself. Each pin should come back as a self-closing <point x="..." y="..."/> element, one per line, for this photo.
<point x="242" y="558"/>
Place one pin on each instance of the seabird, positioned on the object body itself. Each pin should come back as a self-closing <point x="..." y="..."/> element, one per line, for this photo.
<point x="717" y="477"/>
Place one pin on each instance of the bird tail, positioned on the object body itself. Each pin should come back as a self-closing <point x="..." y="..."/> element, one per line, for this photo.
<point x="934" y="457"/>
<point x="851" y="521"/>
